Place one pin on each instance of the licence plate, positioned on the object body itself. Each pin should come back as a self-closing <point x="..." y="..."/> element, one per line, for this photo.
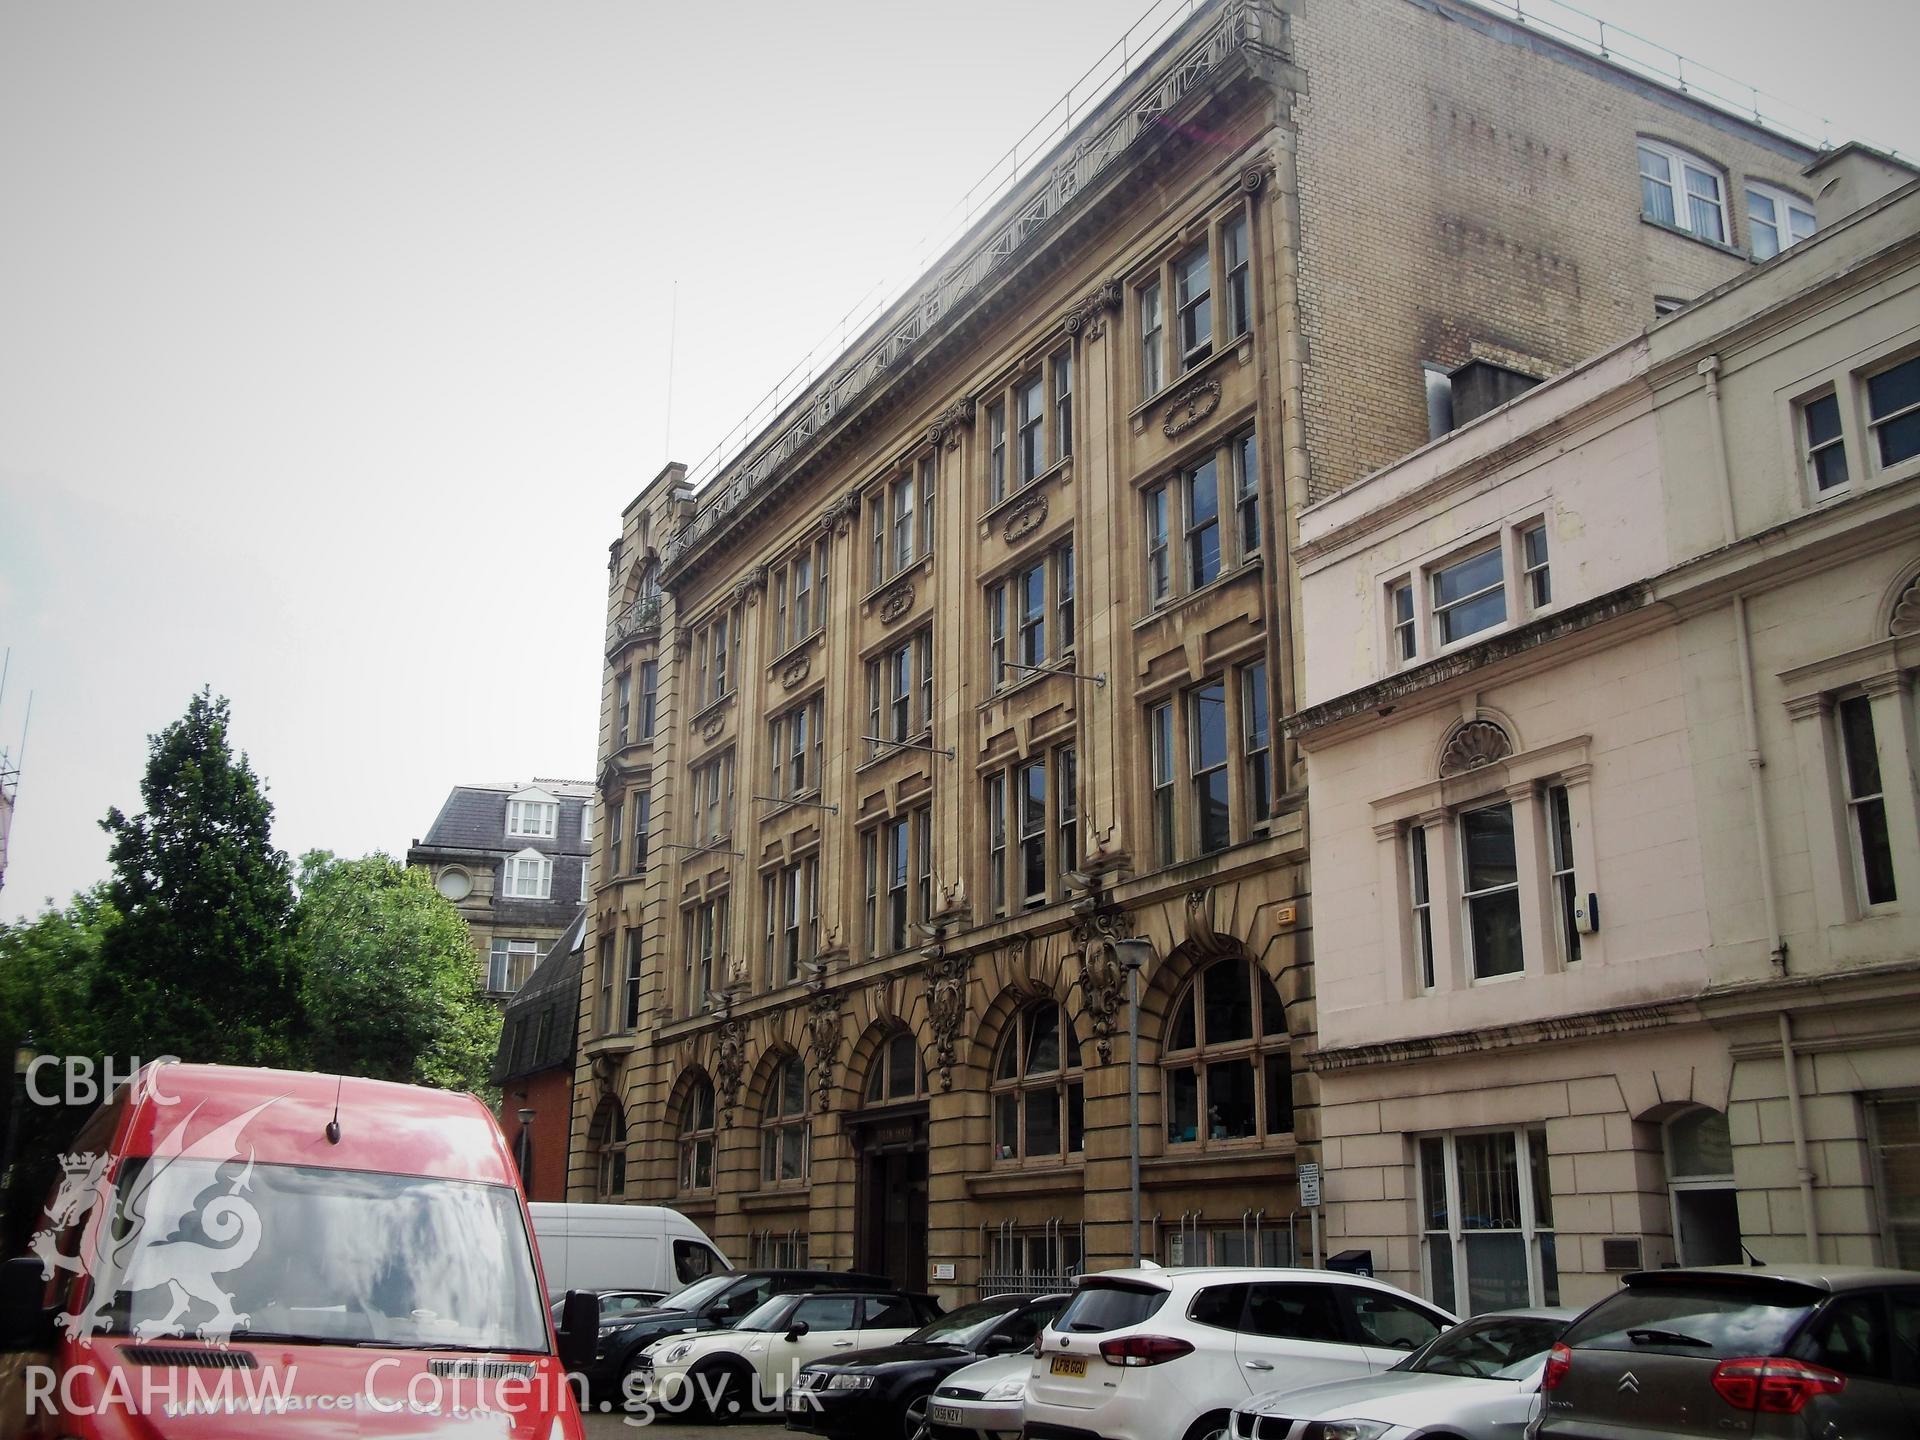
<point x="947" y="1415"/>
<point x="1069" y="1365"/>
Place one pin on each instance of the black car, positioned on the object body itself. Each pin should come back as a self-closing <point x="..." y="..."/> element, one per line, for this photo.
<point x="882" y="1394"/>
<point x="713" y="1302"/>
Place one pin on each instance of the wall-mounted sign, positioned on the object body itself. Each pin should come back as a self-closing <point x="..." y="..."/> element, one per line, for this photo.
<point x="1310" y="1186"/>
<point x="943" y="1272"/>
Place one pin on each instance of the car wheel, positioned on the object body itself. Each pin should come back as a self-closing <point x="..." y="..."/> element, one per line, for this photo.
<point x="1216" y="1426"/>
<point x="913" y="1420"/>
<point x="722" y="1391"/>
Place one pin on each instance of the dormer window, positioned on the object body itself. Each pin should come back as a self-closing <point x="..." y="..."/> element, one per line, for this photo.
<point x="529" y="876"/>
<point x="534" y="814"/>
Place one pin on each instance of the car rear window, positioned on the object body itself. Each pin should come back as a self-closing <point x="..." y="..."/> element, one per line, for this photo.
<point x="1700" y="1319"/>
<point x="1109" y="1306"/>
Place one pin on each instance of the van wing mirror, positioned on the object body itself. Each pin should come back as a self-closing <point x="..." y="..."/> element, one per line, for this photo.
<point x="579" y="1328"/>
<point x="26" y="1321"/>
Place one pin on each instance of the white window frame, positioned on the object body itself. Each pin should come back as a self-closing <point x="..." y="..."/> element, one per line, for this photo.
<point x="1874" y="422"/>
<point x="1857" y="804"/>
<point x="1490" y="546"/>
<point x="1563" y="872"/>
<point x="1536" y="576"/>
<point x="533" y="819"/>
<point x="1787" y="207"/>
<point x="500" y="963"/>
<point x="1420" y="907"/>
<point x="1403" y="631"/>
<point x="528" y="876"/>
<point x="1679" y="163"/>
<point x="1454" y="1235"/>
<point x="1811" y="449"/>
<point x="1489" y="892"/>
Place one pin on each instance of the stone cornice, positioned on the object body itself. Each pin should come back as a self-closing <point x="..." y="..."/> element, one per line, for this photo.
<point x="1588" y="1025"/>
<point x="1134" y="117"/>
<point x="1522" y="638"/>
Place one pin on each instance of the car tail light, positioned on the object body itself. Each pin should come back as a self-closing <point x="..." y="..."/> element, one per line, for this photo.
<point x="1143" y="1350"/>
<point x="1559" y="1362"/>
<point x="1772" y="1386"/>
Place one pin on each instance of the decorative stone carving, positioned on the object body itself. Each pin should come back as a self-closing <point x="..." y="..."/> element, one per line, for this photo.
<point x="1253" y="177"/>
<point x="949" y="422"/>
<point x="1103" y="990"/>
<point x="946" y="1008"/>
<point x="823" y="1044"/>
<point x="1026" y="519"/>
<point x="1190" y="407"/>
<point x="1098" y="918"/>
<point x="711" y="726"/>
<point x="896" y="602"/>
<point x="729" y="1060"/>
<point x="796" y="670"/>
<point x="1203" y="940"/>
<point x="841" y="513"/>
<point x="1474" y="744"/>
<point x="1088" y="314"/>
<point x="751" y="585"/>
<point x="1906" y="614"/>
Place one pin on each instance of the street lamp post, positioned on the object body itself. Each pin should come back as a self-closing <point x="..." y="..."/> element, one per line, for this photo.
<point x="1132" y="956"/>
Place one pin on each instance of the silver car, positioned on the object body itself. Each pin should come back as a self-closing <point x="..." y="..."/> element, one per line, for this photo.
<point x="1477" y="1381"/>
<point x="985" y="1401"/>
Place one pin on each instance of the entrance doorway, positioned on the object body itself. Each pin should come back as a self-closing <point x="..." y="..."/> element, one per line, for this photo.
<point x="1706" y="1217"/>
<point x="890" y="1200"/>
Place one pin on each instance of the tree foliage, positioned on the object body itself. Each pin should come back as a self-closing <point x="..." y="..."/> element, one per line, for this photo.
<point x="199" y="965"/>
<point x="386" y="976"/>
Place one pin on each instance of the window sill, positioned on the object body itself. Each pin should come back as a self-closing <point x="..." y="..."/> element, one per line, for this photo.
<point x="1000" y="509"/>
<point x="1029" y="679"/>
<point x="907" y="572"/>
<point x="709" y="718"/>
<point x="1240" y="348"/>
<point x="808" y="799"/>
<point x="1247" y="1159"/>
<point x="1686" y="234"/>
<point x="1009" y="1178"/>
<point x="891" y="749"/>
<point x="781" y="1196"/>
<point x="1250" y="566"/>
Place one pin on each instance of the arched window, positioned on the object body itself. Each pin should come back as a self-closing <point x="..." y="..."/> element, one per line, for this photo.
<point x="784" y="1129"/>
<point x="894" y="1072"/>
<point x="1039" y="1110"/>
<point x="1229" y="1072"/>
<point x="607" y="1135"/>
<point x="1706" y="1221"/>
<point x="696" y="1137"/>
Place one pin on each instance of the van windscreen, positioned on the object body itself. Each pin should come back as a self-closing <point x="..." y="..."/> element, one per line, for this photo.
<point x="236" y="1249"/>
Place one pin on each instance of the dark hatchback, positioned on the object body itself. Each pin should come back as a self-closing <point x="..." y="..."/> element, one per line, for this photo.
<point x="1779" y="1351"/>
<point x="882" y="1394"/>
<point x="713" y="1302"/>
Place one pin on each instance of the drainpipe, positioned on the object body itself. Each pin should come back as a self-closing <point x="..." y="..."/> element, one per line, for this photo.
<point x="1802" y="1162"/>
<point x="1709" y="370"/>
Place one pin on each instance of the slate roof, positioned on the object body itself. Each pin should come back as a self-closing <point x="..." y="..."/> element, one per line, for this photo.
<point x="528" y="1046"/>
<point x="474" y="818"/>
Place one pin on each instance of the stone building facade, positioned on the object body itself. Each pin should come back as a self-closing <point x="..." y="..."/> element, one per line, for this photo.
<point x="975" y="656"/>
<point x="1611" y="792"/>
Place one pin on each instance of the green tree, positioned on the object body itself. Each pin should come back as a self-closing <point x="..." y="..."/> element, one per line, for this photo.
<point x="47" y="966"/>
<point x="387" y="976"/>
<point x="198" y="966"/>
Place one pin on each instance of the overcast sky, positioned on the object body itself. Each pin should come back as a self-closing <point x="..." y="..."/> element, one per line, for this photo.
<point x="333" y="338"/>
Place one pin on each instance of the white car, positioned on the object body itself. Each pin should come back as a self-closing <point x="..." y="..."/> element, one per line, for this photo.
<point x="1478" y="1381"/>
<point x="1169" y="1354"/>
<point x="985" y="1401"/>
<point x="731" y="1372"/>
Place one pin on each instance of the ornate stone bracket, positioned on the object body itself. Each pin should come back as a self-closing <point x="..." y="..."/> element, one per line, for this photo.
<point x="946" y="1007"/>
<point x="1190" y="407"/>
<point x="948" y="424"/>
<point x="1203" y="940"/>
<point x="751" y="586"/>
<point x="840" y="514"/>
<point x="1088" y="314"/>
<point x="1026" y="519"/>
<point x="823" y="1045"/>
<point x="1474" y="744"/>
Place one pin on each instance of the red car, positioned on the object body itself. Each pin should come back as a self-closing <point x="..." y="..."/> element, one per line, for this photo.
<point x="233" y="1251"/>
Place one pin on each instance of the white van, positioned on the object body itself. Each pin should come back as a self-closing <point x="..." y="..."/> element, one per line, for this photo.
<point x="646" y="1250"/>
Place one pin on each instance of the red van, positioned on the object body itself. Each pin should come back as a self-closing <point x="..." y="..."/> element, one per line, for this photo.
<point x="235" y="1252"/>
